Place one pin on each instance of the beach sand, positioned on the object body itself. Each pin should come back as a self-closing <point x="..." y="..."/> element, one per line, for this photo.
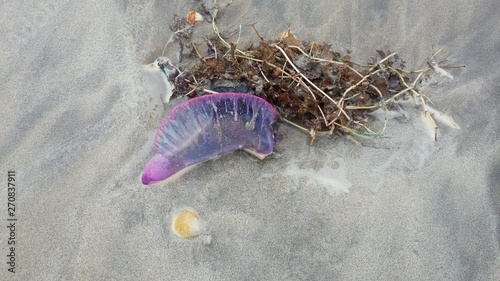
<point x="79" y="115"/>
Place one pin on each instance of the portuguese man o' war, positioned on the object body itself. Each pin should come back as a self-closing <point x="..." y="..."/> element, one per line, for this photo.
<point x="208" y="126"/>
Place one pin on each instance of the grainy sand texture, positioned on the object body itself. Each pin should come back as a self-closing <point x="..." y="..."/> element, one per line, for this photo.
<point x="79" y="114"/>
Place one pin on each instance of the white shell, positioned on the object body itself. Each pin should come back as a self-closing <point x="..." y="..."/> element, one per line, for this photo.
<point x="194" y="17"/>
<point x="186" y="224"/>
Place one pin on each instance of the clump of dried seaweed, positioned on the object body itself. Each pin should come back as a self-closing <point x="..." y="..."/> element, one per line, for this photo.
<point x="312" y="87"/>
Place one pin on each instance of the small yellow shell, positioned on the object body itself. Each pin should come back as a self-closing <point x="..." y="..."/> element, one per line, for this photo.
<point x="194" y="17"/>
<point x="186" y="224"/>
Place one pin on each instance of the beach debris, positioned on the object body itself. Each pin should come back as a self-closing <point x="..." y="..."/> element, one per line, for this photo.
<point x="208" y="126"/>
<point x="207" y="240"/>
<point x="212" y="7"/>
<point x="194" y="17"/>
<point x="443" y="118"/>
<point x="181" y="28"/>
<point x="314" y="88"/>
<point x="431" y="125"/>
<point x="187" y="224"/>
<point x="182" y="31"/>
<point x="165" y="67"/>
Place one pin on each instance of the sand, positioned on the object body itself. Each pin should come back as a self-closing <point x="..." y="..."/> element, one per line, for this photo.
<point x="79" y="115"/>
